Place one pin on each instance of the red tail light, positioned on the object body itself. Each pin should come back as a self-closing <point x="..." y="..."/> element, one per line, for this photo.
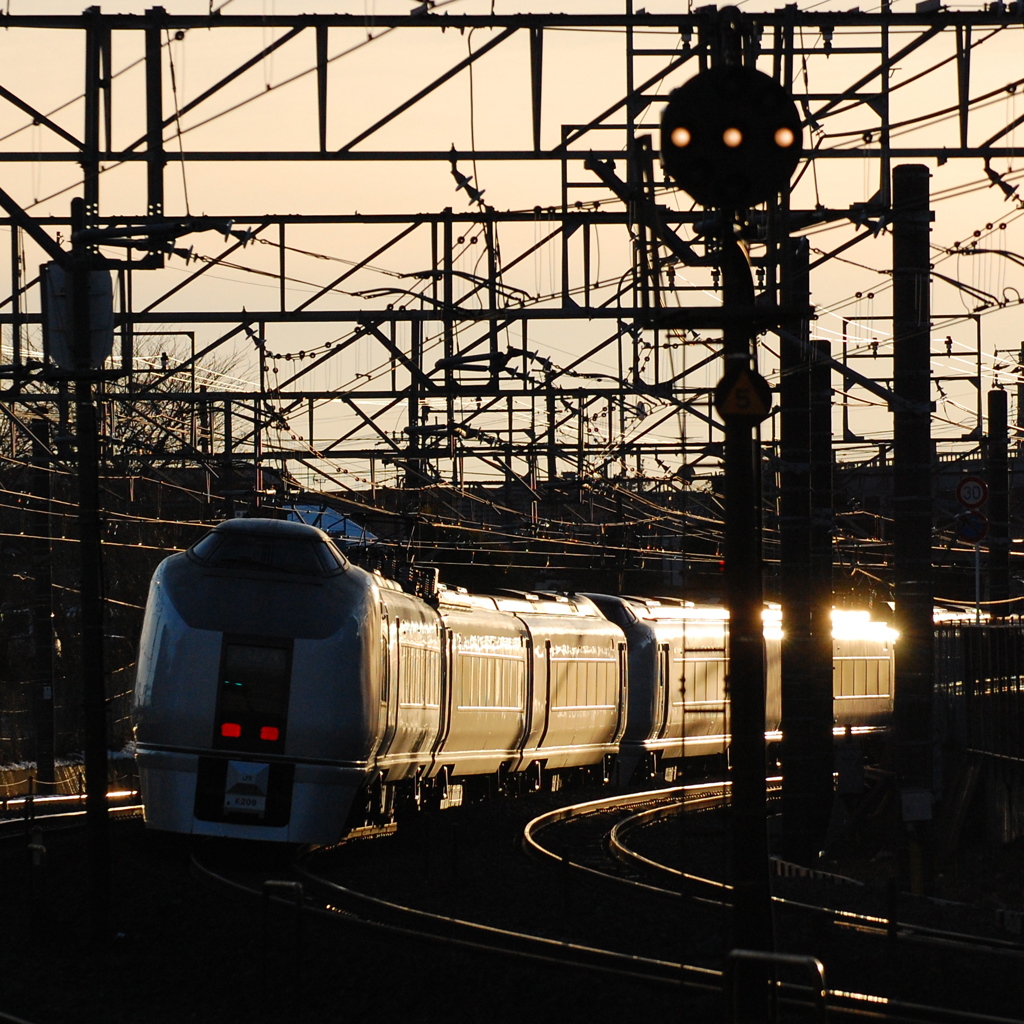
<point x="270" y="733"/>
<point x="231" y="729"/>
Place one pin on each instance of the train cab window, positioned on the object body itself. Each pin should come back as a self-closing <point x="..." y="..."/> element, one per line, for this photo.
<point x="203" y="549"/>
<point x="252" y="702"/>
<point x="275" y="554"/>
<point x="330" y="557"/>
<point x="614" y="610"/>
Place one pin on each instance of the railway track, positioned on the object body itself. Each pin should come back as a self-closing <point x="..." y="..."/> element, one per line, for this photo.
<point x="892" y="927"/>
<point x="312" y="879"/>
<point x="318" y="884"/>
<point x="616" y="821"/>
<point x="569" y="937"/>
<point x="21" y="814"/>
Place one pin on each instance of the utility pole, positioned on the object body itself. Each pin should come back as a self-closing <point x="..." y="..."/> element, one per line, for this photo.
<point x="90" y="541"/>
<point x="912" y="527"/>
<point x="820" y="652"/>
<point x="42" y="610"/>
<point x="71" y="346"/>
<point x="807" y="758"/>
<point x="998" y="503"/>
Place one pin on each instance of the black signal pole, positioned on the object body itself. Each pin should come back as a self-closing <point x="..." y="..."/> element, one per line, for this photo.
<point x="742" y="405"/>
<point x="730" y="136"/>
<point x="82" y="364"/>
<point x="90" y="539"/>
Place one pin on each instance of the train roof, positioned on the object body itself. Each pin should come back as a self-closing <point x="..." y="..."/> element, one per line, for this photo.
<point x="271" y="528"/>
<point x="522" y="601"/>
<point x="673" y="608"/>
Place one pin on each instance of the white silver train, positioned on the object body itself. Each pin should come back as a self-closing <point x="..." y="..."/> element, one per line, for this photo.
<point x="285" y="694"/>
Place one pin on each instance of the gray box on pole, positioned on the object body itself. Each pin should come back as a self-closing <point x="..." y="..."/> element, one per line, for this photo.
<point x="58" y="322"/>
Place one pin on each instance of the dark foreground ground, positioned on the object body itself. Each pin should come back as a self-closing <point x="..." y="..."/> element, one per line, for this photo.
<point x="181" y="951"/>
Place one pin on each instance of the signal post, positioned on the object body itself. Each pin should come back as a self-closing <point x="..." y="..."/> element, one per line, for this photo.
<point x="730" y="137"/>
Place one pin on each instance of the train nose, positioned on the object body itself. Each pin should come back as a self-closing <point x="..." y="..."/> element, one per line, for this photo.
<point x="244" y="792"/>
<point x="251" y="720"/>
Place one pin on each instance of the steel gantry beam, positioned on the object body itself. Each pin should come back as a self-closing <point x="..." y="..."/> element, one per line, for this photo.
<point x="505" y="305"/>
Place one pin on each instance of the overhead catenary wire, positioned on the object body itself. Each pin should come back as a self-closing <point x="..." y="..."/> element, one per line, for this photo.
<point x="384" y="369"/>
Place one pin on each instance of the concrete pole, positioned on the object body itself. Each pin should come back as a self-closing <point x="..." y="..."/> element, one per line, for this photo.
<point x="912" y="513"/>
<point x="807" y="758"/>
<point x="998" y="503"/>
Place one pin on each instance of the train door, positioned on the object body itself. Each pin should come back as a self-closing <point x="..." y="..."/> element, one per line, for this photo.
<point x="544" y="692"/>
<point x="388" y="712"/>
<point x="622" y="690"/>
<point x="447" y="676"/>
<point x="536" y="696"/>
<point x="662" y="694"/>
<point x="703" y="663"/>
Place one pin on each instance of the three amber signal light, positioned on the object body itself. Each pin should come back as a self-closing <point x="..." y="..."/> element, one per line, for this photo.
<point x="731" y="137"/>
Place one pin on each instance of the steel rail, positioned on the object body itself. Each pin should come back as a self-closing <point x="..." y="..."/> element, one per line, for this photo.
<point x="507" y="941"/>
<point x="13" y="828"/>
<point x="700" y="796"/>
<point x="905" y="930"/>
<point x="396" y="921"/>
<point x="843" y="1003"/>
<point x="348" y="907"/>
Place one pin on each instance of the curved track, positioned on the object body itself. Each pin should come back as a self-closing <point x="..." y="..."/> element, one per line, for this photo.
<point x="672" y="884"/>
<point x="348" y="907"/>
<point x="308" y="890"/>
<point x="605" y="817"/>
<point x="905" y="930"/>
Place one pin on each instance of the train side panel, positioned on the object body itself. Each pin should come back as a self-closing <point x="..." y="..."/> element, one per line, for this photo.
<point x="171" y="650"/>
<point x="412" y="683"/>
<point x="579" y="690"/>
<point x="862" y="674"/>
<point x="487" y="673"/>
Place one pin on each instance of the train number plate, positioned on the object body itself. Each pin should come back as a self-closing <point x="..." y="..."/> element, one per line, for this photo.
<point x="245" y="788"/>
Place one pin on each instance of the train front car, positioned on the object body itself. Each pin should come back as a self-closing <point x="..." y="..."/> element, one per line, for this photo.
<point x="256" y="709"/>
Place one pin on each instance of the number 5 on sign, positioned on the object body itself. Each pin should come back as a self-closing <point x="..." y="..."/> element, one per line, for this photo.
<point x="743" y="395"/>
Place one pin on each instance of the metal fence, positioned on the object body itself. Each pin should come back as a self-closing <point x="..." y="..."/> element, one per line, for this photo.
<point x="978" y="681"/>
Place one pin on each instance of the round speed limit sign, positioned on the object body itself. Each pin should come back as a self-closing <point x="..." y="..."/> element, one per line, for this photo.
<point x="972" y="492"/>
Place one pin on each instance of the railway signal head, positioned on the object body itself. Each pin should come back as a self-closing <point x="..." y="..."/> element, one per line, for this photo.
<point x="730" y="136"/>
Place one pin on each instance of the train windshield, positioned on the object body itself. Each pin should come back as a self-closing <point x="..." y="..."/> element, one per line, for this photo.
<point x="276" y="554"/>
<point x="252" y="706"/>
